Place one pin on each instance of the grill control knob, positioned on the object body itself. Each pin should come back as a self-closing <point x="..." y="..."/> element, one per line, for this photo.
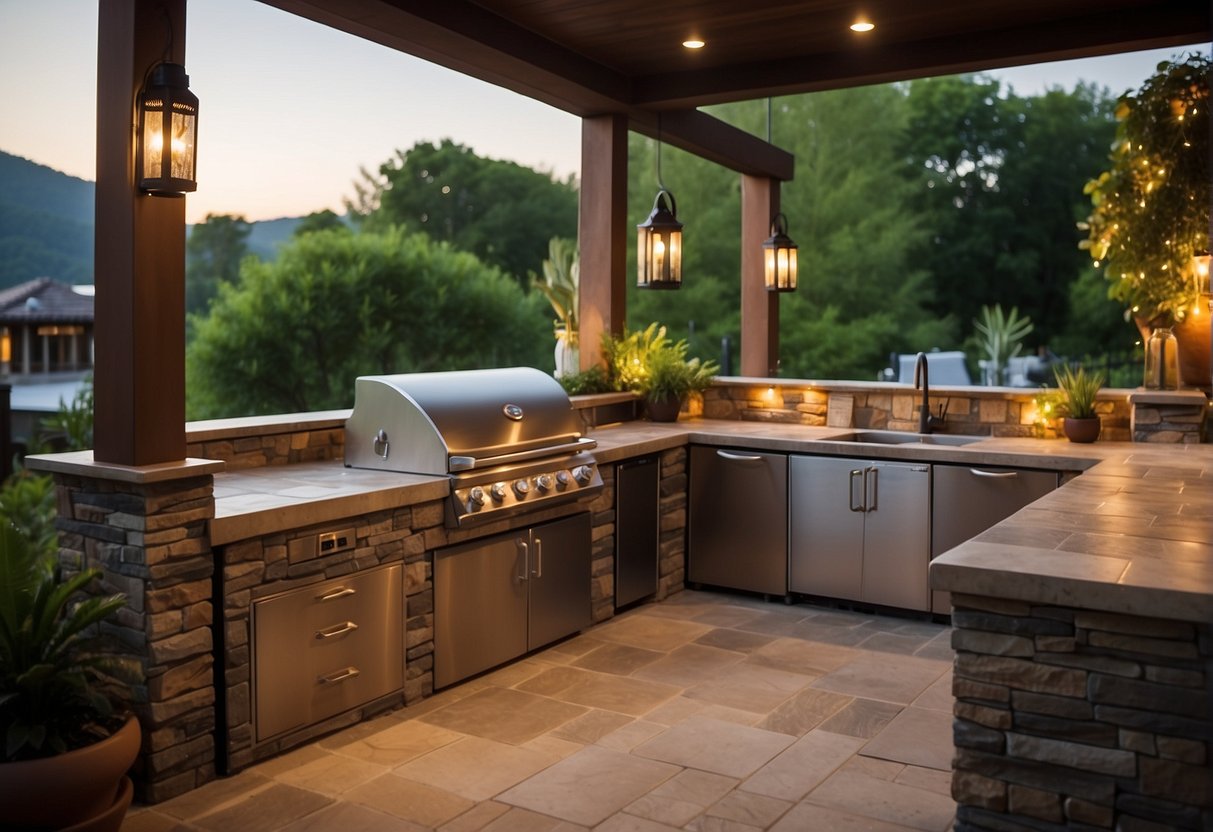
<point x="544" y="482"/>
<point x="497" y="490"/>
<point x="583" y="474"/>
<point x="562" y="478"/>
<point x="521" y="487"/>
<point x="476" y="495"/>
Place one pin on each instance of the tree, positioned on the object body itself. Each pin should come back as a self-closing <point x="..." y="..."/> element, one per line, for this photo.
<point x="325" y="220"/>
<point x="213" y="253"/>
<point x="862" y="293"/>
<point x="502" y="212"/>
<point x="997" y="179"/>
<point x="295" y="333"/>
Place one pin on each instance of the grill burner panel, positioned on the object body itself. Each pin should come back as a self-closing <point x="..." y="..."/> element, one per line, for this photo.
<point x="509" y="439"/>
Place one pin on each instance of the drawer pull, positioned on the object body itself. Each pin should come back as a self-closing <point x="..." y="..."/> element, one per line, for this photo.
<point x="340" y="592"/>
<point x="739" y="457"/>
<point x="1000" y="475"/>
<point x="339" y="676"/>
<point x="339" y="629"/>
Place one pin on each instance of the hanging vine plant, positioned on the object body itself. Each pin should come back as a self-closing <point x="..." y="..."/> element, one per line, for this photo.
<point x="1151" y="209"/>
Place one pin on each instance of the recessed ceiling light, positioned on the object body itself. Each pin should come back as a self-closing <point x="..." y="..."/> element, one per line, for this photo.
<point x="693" y="43"/>
<point x="862" y="25"/>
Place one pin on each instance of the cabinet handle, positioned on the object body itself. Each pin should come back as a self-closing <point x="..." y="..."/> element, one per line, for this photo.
<point x="339" y="592"/>
<point x="851" y="495"/>
<point x="875" y="491"/>
<point x="537" y="572"/>
<point x="336" y="630"/>
<point x="739" y="457"/>
<point x="339" y="676"/>
<point x="526" y="559"/>
<point x="999" y="475"/>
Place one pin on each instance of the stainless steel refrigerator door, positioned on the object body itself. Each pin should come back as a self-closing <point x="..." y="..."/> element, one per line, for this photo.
<point x="480" y="605"/>
<point x="897" y="535"/>
<point x="738" y="535"/>
<point x="827" y="519"/>
<point x="637" y="526"/>
<point x="559" y="579"/>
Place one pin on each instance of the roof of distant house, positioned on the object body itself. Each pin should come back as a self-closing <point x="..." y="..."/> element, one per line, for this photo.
<point x="42" y="301"/>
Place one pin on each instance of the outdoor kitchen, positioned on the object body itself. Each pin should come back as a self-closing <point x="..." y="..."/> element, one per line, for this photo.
<point x="371" y="549"/>
<point x="489" y="599"/>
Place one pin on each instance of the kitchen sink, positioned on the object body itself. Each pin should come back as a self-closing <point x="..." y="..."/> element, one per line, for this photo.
<point x="897" y="437"/>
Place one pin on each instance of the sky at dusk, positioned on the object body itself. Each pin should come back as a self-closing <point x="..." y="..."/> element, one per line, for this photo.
<point x="290" y="109"/>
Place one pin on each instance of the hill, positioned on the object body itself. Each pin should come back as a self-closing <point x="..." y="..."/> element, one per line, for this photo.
<point x="46" y="223"/>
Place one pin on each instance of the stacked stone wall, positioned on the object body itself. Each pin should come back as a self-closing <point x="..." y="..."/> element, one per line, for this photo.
<point x="1004" y="413"/>
<point x="1168" y="423"/>
<point x="1072" y="719"/>
<point x="272" y="448"/>
<point x="671" y="571"/>
<point x="150" y="539"/>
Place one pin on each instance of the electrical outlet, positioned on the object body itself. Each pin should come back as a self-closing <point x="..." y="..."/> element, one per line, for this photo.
<point x="328" y="543"/>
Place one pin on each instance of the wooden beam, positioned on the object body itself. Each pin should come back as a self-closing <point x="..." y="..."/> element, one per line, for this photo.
<point x="602" y="231"/>
<point x="1166" y="23"/>
<point x="710" y="138"/>
<point x="139" y="377"/>
<point x="466" y="37"/>
<point x="759" y="308"/>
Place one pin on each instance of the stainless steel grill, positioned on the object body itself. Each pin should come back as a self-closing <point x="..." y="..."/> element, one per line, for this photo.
<point x="508" y="438"/>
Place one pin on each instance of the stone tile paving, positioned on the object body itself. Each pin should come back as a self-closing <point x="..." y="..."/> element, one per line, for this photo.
<point x="704" y="712"/>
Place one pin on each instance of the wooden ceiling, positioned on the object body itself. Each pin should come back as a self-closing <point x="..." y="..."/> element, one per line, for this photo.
<point x="591" y="57"/>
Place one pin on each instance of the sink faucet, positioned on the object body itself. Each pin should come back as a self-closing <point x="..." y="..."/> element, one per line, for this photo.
<point x="926" y="422"/>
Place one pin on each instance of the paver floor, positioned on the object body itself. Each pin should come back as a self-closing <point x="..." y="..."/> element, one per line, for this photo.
<point x="707" y="712"/>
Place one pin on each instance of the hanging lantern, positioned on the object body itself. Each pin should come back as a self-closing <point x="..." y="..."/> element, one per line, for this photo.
<point x="659" y="246"/>
<point x="780" y="254"/>
<point x="168" y="131"/>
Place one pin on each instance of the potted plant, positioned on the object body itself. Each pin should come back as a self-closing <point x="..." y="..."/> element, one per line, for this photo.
<point x="559" y="284"/>
<point x="1150" y="210"/>
<point x="65" y="751"/>
<point x="1078" y="392"/>
<point x="649" y="364"/>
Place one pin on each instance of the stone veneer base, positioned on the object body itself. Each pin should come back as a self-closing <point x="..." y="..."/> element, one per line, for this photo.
<point x="271" y="564"/>
<point x="1071" y="719"/>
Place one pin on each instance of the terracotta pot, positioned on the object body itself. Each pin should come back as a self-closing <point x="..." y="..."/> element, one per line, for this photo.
<point x="1193" y="338"/>
<point x="663" y="410"/>
<point x="1081" y="430"/>
<point x="80" y="790"/>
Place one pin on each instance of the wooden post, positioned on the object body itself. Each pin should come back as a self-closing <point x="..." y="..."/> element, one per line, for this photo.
<point x="602" y="232"/>
<point x="139" y="378"/>
<point x="759" y="308"/>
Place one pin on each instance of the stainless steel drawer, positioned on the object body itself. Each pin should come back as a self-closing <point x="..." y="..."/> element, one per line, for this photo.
<point x="326" y="648"/>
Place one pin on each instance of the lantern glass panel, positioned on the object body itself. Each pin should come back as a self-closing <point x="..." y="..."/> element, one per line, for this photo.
<point x="182" y="149"/>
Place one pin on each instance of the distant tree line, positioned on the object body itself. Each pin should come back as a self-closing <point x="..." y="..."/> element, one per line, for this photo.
<point x="913" y="205"/>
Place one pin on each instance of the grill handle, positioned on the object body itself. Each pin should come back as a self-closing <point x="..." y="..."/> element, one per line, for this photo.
<point x="457" y="462"/>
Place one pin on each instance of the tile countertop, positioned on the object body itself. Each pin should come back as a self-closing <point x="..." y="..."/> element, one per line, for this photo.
<point x="1133" y="534"/>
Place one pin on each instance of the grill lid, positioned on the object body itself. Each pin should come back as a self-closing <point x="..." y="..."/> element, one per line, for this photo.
<point x="436" y="423"/>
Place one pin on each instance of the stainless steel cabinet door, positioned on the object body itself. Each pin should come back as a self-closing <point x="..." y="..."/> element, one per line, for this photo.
<point x="897" y="535"/>
<point x="826" y="544"/>
<point x="559" y="570"/>
<point x="965" y="501"/>
<point x="480" y="605"/>
<point x="738" y="535"/>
